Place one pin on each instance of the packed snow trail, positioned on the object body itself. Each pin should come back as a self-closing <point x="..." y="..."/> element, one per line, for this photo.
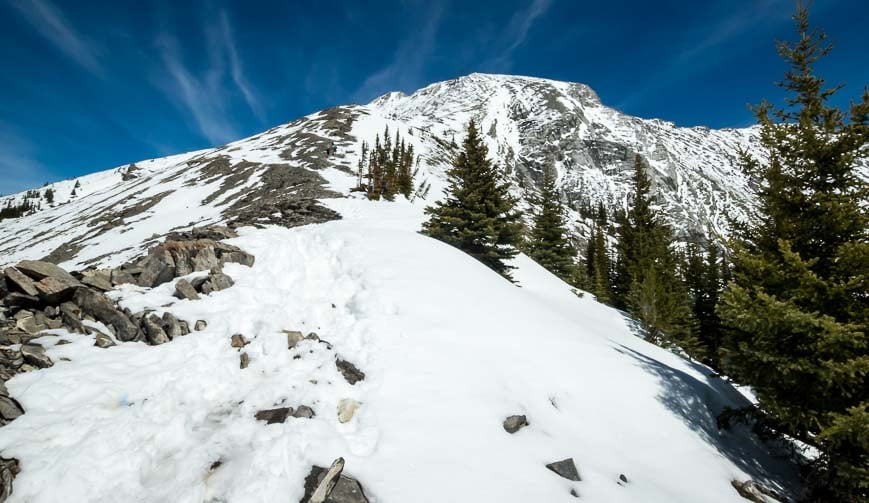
<point x="449" y="350"/>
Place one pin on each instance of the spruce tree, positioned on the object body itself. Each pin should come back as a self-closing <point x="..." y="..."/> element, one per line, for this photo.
<point x="598" y="266"/>
<point x="646" y="280"/>
<point x="796" y="311"/>
<point x="478" y="214"/>
<point x="548" y="243"/>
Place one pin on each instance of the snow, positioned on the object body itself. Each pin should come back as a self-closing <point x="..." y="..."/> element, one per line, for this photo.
<point x="449" y="350"/>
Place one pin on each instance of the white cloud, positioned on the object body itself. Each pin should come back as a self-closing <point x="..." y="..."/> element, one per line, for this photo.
<point x="50" y="22"/>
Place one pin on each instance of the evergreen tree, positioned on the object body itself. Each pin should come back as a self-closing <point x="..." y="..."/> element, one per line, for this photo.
<point x="478" y="215"/>
<point x="549" y="243"/>
<point x="703" y="280"/>
<point x="646" y="280"/>
<point x="49" y="195"/>
<point x="598" y="267"/>
<point x="796" y="311"/>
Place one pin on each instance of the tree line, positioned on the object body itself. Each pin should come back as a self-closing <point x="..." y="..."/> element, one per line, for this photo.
<point x="784" y="308"/>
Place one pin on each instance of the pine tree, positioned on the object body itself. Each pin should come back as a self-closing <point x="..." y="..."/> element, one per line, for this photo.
<point x="548" y="243"/>
<point x="598" y="267"/>
<point x="796" y="311"/>
<point x="646" y="280"/>
<point x="478" y="215"/>
<point x="49" y="195"/>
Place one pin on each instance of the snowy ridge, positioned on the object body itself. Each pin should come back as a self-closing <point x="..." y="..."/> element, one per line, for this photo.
<point x="528" y="123"/>
<point x="449" y="350"/>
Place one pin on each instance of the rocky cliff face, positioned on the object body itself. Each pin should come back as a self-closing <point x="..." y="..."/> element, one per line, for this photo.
<point x="278" y="176"/>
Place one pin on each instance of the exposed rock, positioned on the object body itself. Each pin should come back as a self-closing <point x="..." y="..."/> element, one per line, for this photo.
<point x="200" y="325"/>
<point x="327" y="482"/>
<point x="272" y="416"/>
<point x="101" y="279"/>
<point x="346" y="409"/>
<point x="565" y="468"/>
<point x="26" y="322"/>
<point x="213" y="232"/>
<point x="121" y="277"/>
<point x="9" y="408"/>
<point x="38" y="269"/>
<point x="17" y="300"/>
<point x="34" y="354"/>
<point x="303" y="411"/>
<point x="293" y="338"/>
<point x="514" y="423"/>
<point x="753" y="491"/>
<point x="103" y="341"/>
<point x="157" y="268"/>
<point x="244" y="360"/>
<point x="173" y="327"/>
<point x="343" y="489"/>
<point x="56" y="290"/>
<point x="216" y="281"/>
<point x="349" y="371"/>
<point x="154" y="329"/>
<point x="238" y="341"/>
<point x="184" y="290"/>
<point x="8" y="470"/>
<point x="19" y="281"/>
<point x="622" y="478"/>
<point x="100" y="307"/>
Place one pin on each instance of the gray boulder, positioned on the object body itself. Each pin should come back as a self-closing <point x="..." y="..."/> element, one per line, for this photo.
<point x="34" y="354"/>
<point x="154" y="330"/>
<point x="53" y="290"/>
<point x="514" y="423"/>
<point x="272" y="416"/>
<point x="20" y="281"/>
<point x="9" y="408"/>
<point x="103" y="341"/>
<point x="304" y="412"/>
<point x="329" y="485"/>
<point x="100" y="307"/>
<point x="99" y="279"/>
<point x="8" y="470"/>
<point x="351" y="374"/>
<point x="184" y="290"/>
<point x="38" y="269"/>
<point x="200" y="325"/>
<point x="157" y="268"/>
<point x="173" y="327"/>
<point x="120" y="277"/>
<point x="565" y="468"/>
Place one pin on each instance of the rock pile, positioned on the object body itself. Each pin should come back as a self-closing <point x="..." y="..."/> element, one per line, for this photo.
<point x="329" y="485"/>
<point x="36" y="296"/>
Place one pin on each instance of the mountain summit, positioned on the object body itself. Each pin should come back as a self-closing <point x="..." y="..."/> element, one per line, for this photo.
<point x="528" y="123"/>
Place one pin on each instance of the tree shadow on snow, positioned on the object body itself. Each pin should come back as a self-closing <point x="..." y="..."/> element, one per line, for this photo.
<point x="698" y="403"/>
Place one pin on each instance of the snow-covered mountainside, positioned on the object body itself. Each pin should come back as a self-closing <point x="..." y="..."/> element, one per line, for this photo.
<point x="529" y="123"/>
<point x="205" y="383"/>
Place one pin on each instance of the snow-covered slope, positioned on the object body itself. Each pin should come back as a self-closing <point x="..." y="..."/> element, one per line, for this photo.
<point x="528" y="123"/>
<point x="448" y="348"/>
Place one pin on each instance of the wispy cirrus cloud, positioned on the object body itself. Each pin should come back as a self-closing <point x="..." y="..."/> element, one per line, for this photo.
<point x="206" y="93"/>
<point x="53" y="26"/>
<point x="515" y="34"/>
<point x="405" y="70"/>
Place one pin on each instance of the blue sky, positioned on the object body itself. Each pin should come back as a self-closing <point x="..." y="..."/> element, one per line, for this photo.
<point x="91" y="85"/>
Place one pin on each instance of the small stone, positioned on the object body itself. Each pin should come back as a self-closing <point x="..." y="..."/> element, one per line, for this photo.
<point x="103" y="341"/>
<point x="293" y="338"/>
<point x="623" y="478"/>
<point x="244" y="360"/>
<point x="303" y="411"/>
<point x="565" y="468"/>
<point x="574" y="493"/>
<point x="34" y="354"/>
<point x="514" y="423"/>
<point x="184" y="290"/>
<point x="351" y="374"/>
<point x="200" y="325"/>
<point x="272" y="416"/>
<point x="62" y="342"/>
<point x="346" y="409"/>
<point x="238" y="341"/>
